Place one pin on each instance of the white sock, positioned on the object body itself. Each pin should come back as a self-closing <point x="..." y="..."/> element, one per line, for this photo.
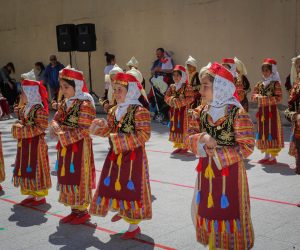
<point x="132" y="227"/>
<point x="267" y="156"/>
<point x="30" y="197"/>
<point x="39" y="198"/>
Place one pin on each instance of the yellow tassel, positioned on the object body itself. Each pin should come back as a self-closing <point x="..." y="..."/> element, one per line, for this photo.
<point x="119" y="160"/>
<point x="63" y="170"/>
<point x="103" y="201"/>
<point x="136" y="205"/>
<point x="114" y="204"/>
<point x="211" y="242"/>
<point x="235" y="229"/>
<point x="263" y="138"/>
<point x="212" y="226"/>
<point x="204" y="225"/>
<point x="262" y="118"/>
<point x="19" y="172"/>
<point x="209" y="173"/>
<point x="125" y="205"/>
<point x="210" y="201"/>
<point x="118" y="185"/>
<point x="20" y="144"/>
<point x="63" y="151"/>
<point x="223" y="226"/>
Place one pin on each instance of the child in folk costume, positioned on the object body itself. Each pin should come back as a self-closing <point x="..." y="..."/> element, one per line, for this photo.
<point x="75" y="161"/>
<point x="193" y="79"/>
<point x="292" y="113"/>
<point x="179" y="97"/>
<point x="221" y="134"/>
<point x="134" y="64"/>
<point x="124" y="183"/>
<point x="109" y="101"/>
<point x="2" y="166"/>
<point x="31" y="171"/>
<point x="239" y="72"/>
<point x="268" y="94"/>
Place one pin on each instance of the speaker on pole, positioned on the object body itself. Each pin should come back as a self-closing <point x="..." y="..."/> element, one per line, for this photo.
<point x="86" y="37"/>
<point x="66" y="35"/>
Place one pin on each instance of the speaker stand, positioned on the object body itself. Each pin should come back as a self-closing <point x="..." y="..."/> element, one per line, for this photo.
<point x="90" y="77"/>
<point x="70" y="58"/>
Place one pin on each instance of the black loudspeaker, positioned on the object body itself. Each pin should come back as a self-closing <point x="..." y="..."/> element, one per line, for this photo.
<point x="66" y="35"/>
<point x="86" y="37"/>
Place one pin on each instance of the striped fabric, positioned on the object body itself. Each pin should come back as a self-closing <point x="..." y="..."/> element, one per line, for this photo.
<point x="224" y="234"/>
<point x="42" y="179"/>
<point x="123" y="142"/>
<point x="178" y="99"/>
<point x="69" y="136"/>
<point x="29" y="131"/>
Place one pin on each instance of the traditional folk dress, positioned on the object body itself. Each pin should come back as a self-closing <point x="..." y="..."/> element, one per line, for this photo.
<point x="221" y="206"/>
<point x="31" y="171"/>
<point x="124" y="183"/>
<point x="240" y="80"/>
<point x="194" y="81"/>
<point x="2" y="166"/>
<point x="75" y="161"/>
<point x="179" y="97"/>
<point x="269" y="136"/>
<point x="290" y="113"/>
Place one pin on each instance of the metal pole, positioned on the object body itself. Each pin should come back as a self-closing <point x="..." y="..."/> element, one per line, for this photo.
<point x="70" y="57"/>
<point x="90" y="72"/>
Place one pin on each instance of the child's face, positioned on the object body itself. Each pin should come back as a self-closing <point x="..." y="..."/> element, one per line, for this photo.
<point x="266" y="72"/>
<point x="23" y="97"/>
<point x="206" y="89"/>
<point x="120" y="92"/>
<point x="67" y="90"/>
<point x="190" y="68"/>
<point x="176" y="77"/>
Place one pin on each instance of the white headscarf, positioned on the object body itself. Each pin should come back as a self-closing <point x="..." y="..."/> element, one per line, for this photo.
<point x="274" y="77"/>
<point x="79" y="94"/>
<point x="223" y="95"/>
<point x="131" y="98"/>
<point x="240" y="66"/>
<point x="293" y="75"/>
<point x="191" y="61"/>
<point x="32" y="92"/>
<point x="183" y="79"/>
<point x="133" y="62"/>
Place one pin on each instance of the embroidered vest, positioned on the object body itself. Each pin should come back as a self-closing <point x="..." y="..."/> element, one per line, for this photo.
<point x="224" y="132"/>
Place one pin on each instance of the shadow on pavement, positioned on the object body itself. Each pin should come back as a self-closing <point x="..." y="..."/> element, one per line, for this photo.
<point x="25" y="217"/>
<point x="82" y="237"/>
<point x="281" y="168"/>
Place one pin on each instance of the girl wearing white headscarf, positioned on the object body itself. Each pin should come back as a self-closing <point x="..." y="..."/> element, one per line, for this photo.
<point x="75" y="162"/>
<point x="179" y="97"/>
<point x="124" y="183"/>
<point x="292" y="113"/>
<point x="268" y="94"/>
<point x="193" y="80"/>
<point x="32" y="172"/>
<point x="221" y="135"/>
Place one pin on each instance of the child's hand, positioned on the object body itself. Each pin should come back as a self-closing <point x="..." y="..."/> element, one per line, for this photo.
<point x="297" y="120"/>
<point x="210" y="144"/>
<point x="54" y="105"/>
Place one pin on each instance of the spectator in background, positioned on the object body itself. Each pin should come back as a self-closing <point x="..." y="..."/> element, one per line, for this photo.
<point x="51" y="76"/>
<point x="7" y="84"/>
<point x="39" y="71"/>
<point x="110" y="62"/>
